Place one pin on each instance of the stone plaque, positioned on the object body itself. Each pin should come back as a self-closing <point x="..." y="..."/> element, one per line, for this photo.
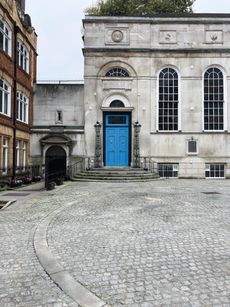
<point x="168" y="37"/>
<point x="117" y="36"/>
<point x="214" y="37"/>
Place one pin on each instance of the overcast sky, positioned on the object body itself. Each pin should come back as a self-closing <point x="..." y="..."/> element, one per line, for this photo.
<point x="58" y="25"/>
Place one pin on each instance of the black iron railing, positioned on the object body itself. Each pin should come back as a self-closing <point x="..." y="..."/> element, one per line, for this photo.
<point x="82" y="165"/>
<point x="148" y="163"/>
<point x="23" y="175"/>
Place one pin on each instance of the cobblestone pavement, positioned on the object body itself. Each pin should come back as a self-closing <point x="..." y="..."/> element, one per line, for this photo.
<point x="161" y="243"/>
<point x="23" y="282"/>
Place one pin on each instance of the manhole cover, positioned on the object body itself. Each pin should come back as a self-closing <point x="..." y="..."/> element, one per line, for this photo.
<point x="16" y="194"/>
<point x="210" y="193"/>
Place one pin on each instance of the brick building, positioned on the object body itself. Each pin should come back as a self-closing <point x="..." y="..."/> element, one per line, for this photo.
<point x="17" y="76"/>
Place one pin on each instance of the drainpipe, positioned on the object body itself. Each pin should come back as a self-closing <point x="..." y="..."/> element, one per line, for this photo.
<point x="16" y="30"/>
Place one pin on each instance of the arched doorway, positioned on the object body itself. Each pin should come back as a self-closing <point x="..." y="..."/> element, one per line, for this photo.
<point x="55" y="162"/>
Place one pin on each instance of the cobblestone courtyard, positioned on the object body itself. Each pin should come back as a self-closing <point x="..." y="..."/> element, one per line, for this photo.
<point x="161" y="243"/>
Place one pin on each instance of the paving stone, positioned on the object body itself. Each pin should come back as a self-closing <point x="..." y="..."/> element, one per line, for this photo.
<point x="161" y="243"/>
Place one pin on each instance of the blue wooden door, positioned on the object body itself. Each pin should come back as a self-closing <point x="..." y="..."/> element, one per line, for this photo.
<point x="117" y="140"/>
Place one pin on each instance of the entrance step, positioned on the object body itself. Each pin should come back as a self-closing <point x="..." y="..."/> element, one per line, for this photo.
<point x="116" y="174"/>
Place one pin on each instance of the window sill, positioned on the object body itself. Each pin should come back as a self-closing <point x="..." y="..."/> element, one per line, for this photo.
<point x="6" y="115"/>
<point x="22" y="122"/>
<point x="9" y="56"/>
<point x="215" y="131"/>
<point x="165" y="132"/>
<point x="24" y="71"/>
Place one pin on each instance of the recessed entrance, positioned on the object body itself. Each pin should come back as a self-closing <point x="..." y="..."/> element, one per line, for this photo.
<point x="117" y="139"/>
<point x="56" y="161"/>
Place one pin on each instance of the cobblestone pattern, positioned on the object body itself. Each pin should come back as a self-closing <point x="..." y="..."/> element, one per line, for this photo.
<point x="23" y="282"/>
<point x="163" y="243"/>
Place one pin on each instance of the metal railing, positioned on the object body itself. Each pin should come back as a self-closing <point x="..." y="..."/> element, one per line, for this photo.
<point x="82" y="165"/>
<point x="23" y="175"/>
<point x="148" y="163"/>
<point x="32" y="171"/>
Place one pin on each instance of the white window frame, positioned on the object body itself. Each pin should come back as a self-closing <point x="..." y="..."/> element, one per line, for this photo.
<point x="17" y="155"/>
<point x="5" y="154"/>
<point x="117" y="72"/>
<point x="207" y="169"/>
<point x="24" y="147"/>
<point x="22" y="107"/>
<point x="22" y="56"/>
<point x="175" y="168"/>
<point x="5" y="92"/>
<point x="179" y="100"/>
<point x="224" y="101"/>
<point x="6" y="37"/>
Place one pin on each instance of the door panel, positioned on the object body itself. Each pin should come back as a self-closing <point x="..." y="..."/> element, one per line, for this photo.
<point x="117" y="143"/>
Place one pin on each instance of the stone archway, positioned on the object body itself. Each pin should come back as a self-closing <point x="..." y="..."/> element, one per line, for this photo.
<point x="55" y="162"/>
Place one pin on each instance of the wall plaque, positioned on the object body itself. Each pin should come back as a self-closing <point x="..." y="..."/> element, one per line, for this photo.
<point x="117" y="36"/>
<point x="214" y="37"/>
<point x="168" y="37"/>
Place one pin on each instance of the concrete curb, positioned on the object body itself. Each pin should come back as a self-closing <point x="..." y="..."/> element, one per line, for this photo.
<point x="61" y="277"/>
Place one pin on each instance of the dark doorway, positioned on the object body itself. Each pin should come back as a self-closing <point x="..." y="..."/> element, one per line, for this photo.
<point x="55" y="162"/>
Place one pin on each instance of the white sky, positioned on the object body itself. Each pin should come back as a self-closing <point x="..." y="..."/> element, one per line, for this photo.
<point x="59" y="34"/>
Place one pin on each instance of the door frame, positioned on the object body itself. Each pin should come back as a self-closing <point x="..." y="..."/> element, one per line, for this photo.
<point x="129" y="130"/>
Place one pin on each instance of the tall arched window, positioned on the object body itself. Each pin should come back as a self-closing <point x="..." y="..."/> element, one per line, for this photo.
<point x="117" y="72"/>
<point x="5" y="37"/>
<point x="168" y="100"/>
<point x="213" y="99"/>
<point x="22" y="56"/>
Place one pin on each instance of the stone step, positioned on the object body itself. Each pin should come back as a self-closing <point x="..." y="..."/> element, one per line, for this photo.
<point x="114" y="180"/>
<point x="116" y="174"/>
<point x="115" y="177"/>
<point x="118" y="169"/>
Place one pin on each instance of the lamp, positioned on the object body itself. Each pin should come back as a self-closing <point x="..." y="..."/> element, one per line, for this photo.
<point x="97" y="127"/>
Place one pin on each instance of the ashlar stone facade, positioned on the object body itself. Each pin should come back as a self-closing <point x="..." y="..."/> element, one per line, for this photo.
<point x="176" y="87"/>
<point x="171" y="75"/>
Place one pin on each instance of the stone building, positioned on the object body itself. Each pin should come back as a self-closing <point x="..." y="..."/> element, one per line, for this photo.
<point x="171" y="75"/>
<point x="17" y="76"/>
<point x="58" y="126"/>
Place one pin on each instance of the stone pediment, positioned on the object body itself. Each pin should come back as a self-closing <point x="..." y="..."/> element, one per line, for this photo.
<point x="56" y="139"/>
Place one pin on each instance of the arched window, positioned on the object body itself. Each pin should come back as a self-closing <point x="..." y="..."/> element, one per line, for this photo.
<point x="117" y="104"/>
<point x="22" y="56"/>
<point x="117" y="72"/>
<point x="168" y="100"/>
<point x="5" y="37"/>
<point x="213" y="99"/>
